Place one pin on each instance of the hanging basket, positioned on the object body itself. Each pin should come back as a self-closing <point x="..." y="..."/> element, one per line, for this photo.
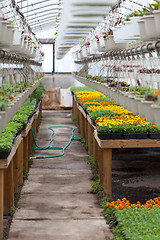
<point x="92" y="48"/>
<point x="111" y="45"/>
<point x="100" y="49"/>
<point x="143" y="34"/>
<point x="157" y="21"/>
<point x="150" y="27"/>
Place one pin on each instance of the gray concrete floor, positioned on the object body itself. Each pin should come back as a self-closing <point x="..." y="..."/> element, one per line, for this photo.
<point x="60" y="81"/>
<point x="56" y="203"/>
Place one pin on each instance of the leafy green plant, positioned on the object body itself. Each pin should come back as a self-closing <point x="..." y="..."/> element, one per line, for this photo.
<point x="141" y="223"/>
<point x="3" y="105"/>
<point x="5" y="142"/>
<point x="20" y="118"/>
<point x="100" y="113"/>
<point x="79" y="89"/>
<point x="74" y="120"/>
<point x="12" y="127"/>
<point x="94" y="169"/>
<point x="13" y="210"/>
<point x="38" y="92"/>
<point x="96" y="187"/>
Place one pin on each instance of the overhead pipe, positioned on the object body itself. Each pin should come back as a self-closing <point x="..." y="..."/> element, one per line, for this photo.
<point x="122" y="54"/>
<point x="10" y="57"/>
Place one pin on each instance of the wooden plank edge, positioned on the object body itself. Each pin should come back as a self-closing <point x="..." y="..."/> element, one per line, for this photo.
<point x="128" y="143"/>
<point x="28" y="127"/>
<point x="4" y="163"/>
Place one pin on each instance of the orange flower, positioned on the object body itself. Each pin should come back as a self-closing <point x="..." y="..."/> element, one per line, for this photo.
<point x="107" y="205"/>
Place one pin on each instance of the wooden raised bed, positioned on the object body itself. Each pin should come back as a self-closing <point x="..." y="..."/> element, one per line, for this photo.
<point x="102" y="149"/>
<point x="12" y="168"/>
<point x="104" y="159"/>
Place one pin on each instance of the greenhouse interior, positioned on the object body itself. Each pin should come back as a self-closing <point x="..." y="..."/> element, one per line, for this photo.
<point x="80" y="119"/>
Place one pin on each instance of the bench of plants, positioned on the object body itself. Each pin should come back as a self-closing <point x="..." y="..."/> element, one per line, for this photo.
<point x="16" y="143"/>
<point x="105" y="126"/>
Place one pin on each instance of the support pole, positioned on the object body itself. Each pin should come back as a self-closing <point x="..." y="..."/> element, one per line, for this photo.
<point x="107" y="172"/>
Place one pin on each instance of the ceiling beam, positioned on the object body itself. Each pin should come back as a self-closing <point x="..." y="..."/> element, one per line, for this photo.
<point x="48" y="5"/>
<point x="43" y="22"/>
<point x="44" y="11"/>
<point x="44" y="26"/>
<point x="38" y="15"/>
<point x="33" y="4"/>
<point x="37" y="18"/>
<point x="46" y="40"/>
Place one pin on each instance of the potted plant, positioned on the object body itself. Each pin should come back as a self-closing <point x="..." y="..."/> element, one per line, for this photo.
<point x="6" y="142"/>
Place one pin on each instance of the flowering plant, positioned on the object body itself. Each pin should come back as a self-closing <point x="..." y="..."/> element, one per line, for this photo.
<point x="87" y="43"/>
<point x="42" y="53"/>
<point x="136" y="221"/>
<point x="97" y="37"/>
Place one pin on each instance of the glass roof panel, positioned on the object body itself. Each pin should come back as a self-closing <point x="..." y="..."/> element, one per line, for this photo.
<point x="39" y="13"/>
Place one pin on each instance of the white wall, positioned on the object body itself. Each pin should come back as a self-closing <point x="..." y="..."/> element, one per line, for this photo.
<point x="47" y="65"/>
<point x="66" y="64"/>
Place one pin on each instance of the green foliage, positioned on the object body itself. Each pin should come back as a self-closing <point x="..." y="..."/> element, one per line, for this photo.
<point x="21" y="117"/>
<point x="79" y="89"/>
<point x="96" y="187"/>
<point x="141" y="223"/>
<point x="98" y="100"/>
<point x="38" y="92"/>
<point x="94" y="169"/>
<point x="3" y="105"/>
<point x="6" y="142"/>
<point x="83" y="141"/>
<point x="100" y="113"/>
<point x="74" y="120"/>
<point x="12" y="127"/>
<point x="13" y="210"/>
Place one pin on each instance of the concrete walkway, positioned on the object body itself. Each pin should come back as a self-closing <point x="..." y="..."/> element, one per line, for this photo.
<point x="56" y="203"/>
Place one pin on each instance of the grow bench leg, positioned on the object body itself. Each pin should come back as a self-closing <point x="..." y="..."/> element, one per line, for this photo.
<point x="95" y="152"/>
<point x="73" y="108"/>
<point x="25" y="153"/>
<point x="8" y="188"/>
<point x="1" y="201"/>
<point x="107" y="172"/>
<point x="30" y="141"/>
<point x="100" y="164"/>
<point x="81" y="124"/>
<point x="86" y="130"/>
<point x="15" y="173"/>
<point x="20" y="162"/>
<point x="90" y="139"/>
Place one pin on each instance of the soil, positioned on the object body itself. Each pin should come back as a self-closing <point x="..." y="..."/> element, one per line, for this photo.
<point x="136" y="174"/>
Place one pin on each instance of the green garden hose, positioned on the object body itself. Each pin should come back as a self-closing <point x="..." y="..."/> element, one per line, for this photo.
<point x="51" y="139"/>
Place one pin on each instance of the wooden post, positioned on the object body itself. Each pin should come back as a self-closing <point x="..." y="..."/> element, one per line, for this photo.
<point x="81" y="124"/>
<point x="30" y="141"/>
<point x="100" y="164"/>
<point x="77" y="113"/>
<point x="20" y="162"/>
<point x="8" y="188"/>
<point x="86" y="131"/>
<point x="73" y="108"/>
<point x="107" y="172"/>
<point x="95" y="152"/>
<point x="25" y="153"/>
<point x="34" y="126"/>
<point x="90" y="138"/>
<point x="15" y="172"/>
<point x="1" y="202"/>
<point x="39" y="115"/>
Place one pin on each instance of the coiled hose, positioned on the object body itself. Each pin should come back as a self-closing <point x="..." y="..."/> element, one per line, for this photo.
<point x="51" y="139"/>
